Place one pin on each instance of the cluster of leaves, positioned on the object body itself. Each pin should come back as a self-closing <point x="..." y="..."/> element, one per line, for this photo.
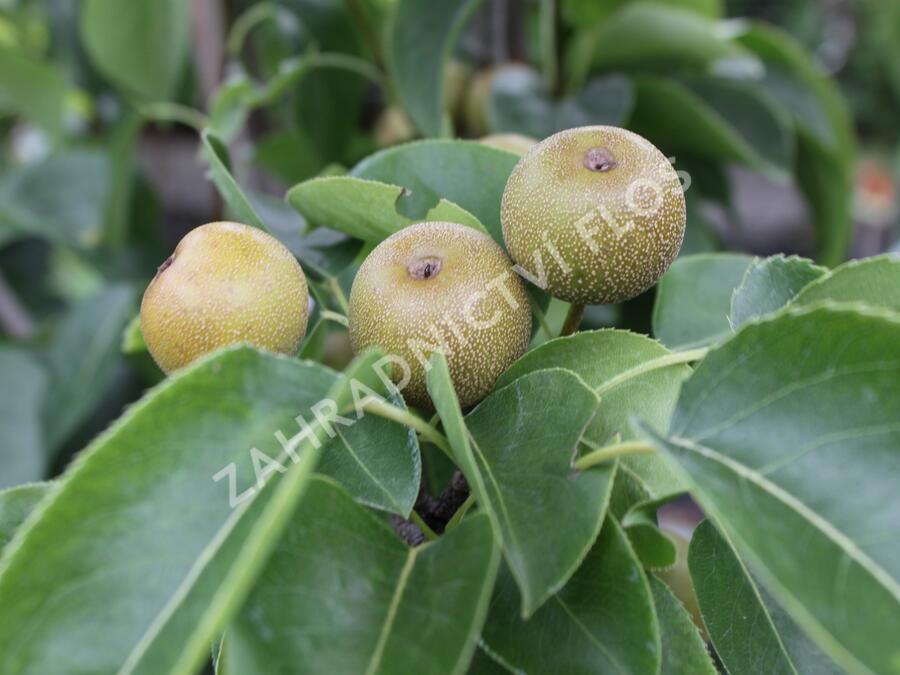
<point x="134" y="560"/>
<point x="770" y="392"/>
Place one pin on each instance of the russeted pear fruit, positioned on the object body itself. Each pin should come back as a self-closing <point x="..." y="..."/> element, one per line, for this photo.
<point x="593" y="215"/>
<point x="441" y="287"/>
<point x="225" y="283"/>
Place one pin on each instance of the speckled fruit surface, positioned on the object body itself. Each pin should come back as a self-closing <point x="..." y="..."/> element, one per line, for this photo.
<point x="441" y="286"/>
<point x="225" y="283"/>
<point x="594" y="215"/>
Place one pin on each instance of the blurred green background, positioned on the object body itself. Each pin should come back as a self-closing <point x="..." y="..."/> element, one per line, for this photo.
<point x="782" y="114"/>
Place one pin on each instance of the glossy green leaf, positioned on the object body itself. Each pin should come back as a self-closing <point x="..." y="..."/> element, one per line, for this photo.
<point x="693" y="299"/>
<point x="773" y="426"/>
<point x="33" y="89"/>
<point x="634" y="377"/>
<point x="365" y="209"/>
<point x="343" y="594"/>
<point x="59" y="198"/>
<point x="719" y="119"/>
<point x="518" y="444"/>
<point x="83" y="359"/>
<point x="23" y="448"/>
<point x="601" y="621"/>
<point x="422" y="35"/>
<point x="140" y="45"/>
<point x="377" y="461"/>
<point x="469" y="174"/>
<point x="15" y="505"/>
<point x="770" y="284"/>
<point x="216" y="155"/>
<point x="739" y="622"/>
<point x="71" y="581"/>
<point x="683" y="650"/>
<point x="873" y="281"/>
<point x="520" y="103"/>
<point x="650" y="34"/>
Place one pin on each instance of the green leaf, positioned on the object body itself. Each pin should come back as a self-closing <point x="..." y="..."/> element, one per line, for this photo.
<point x="773" y="427"/>
<point x="601" y="621"/>
<point x="121" y="152"/>
<point x="520" y="103"/>
<point x="23" y="449"/>
<point x="693" y="299"/>
<point x="60" y="198"/>
<point x="826" y="180"/>
<point x="579" y="13"/>
<point x="147" y="590"/>
<point x="377" y="461"/>
<point x="769" y="285"/>
<point x="650" y="35"/>
<point x="216" y="155"/>
<point x="15" y="505"/>
<point x="422" y="35"/>
<point x="633" y="375"/>
<point x="653" y="548"/>
<point x="796" y="81"/>
<point x="33" y="89"/>
<point x="343" y="594"/>
<point x="466" y="173"/>
<point x="873" y="281"/>
<point x="365" y="209"/>
<point x="683" y="650"/>
<point x="739" y="622"/>
<point x="522" y="439"/>
<point x="140" y="45"/>
<point x="83" y="359"/>
<point x="718" y="119"/>
<point x="320" y="250"/>
<point x="825" y="145"/>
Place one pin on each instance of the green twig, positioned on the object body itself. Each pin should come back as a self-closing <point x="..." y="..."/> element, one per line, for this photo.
<point x="609" y="452"/>
<point x="246" y="22"/>
<point x="335" y="287"/>
<point x="174" y="112"/>
<point x="328" y="315"/>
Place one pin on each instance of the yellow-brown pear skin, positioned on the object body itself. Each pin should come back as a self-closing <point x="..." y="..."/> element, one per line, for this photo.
<point x="226" y="283"/>
<point x="594" y="215"/>
<point x="441" y="286"/>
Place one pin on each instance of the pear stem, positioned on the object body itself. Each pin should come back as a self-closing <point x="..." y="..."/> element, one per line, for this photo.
<point x="573" y="319"/>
